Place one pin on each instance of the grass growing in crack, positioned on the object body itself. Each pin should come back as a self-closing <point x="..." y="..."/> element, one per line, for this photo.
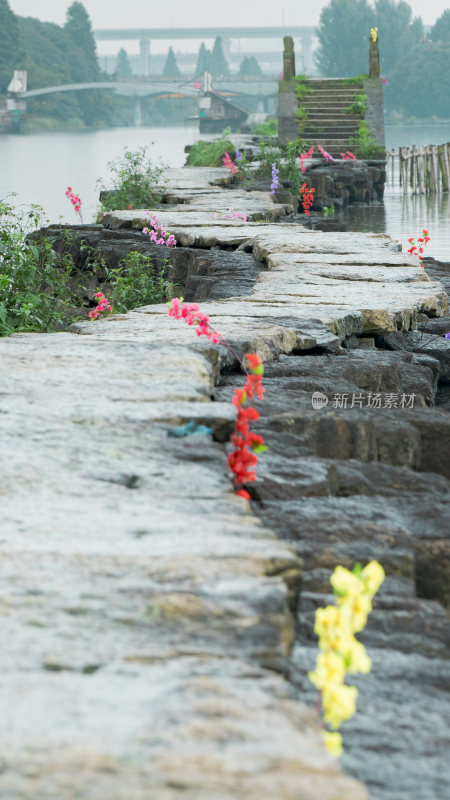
<point x="210" y="154"/>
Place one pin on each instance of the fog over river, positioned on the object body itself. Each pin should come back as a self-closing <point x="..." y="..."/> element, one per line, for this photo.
<point x="39" y="167"/>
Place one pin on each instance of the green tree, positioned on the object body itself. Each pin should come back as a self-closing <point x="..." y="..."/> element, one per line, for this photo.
<point x="203" y="59"/>
<point x="123" y="66"/>
<point x="249" y="68"/>
<point x="218" y="65"/>
<point x="440" y="31"/>
<point x="397" y="30"/>
<point x="420" y="84"/>
<point x="171" y="67"/>
<point x="79" y="28"/>
<point x="11" y="45"/>
<point x="344" y="30"/>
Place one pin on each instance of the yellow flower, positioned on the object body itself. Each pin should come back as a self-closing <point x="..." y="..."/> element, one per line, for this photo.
<point x="373" y="576"/>
<point x="374" y="34"/>
<point x="355" y="609"/>
<point x="345" y="582"/>
<point x="356" y="658"/>
<point x="333" y="743"/>
<point x="327" y="619"/>
<point x="338" y="703"/>
<point x="329" y="667"/>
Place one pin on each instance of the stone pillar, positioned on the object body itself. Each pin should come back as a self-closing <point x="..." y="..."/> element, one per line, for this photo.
<point x="288" y="58"/>
<point x="374" y="58"/>
<point x="144" y="56"/>
<point x="287" y="96"/>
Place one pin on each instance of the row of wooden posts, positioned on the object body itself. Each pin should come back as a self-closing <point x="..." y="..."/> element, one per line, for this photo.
<point x="424" y="169"/>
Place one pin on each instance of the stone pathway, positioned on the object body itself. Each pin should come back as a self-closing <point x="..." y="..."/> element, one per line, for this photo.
<point x="147" y="612"/>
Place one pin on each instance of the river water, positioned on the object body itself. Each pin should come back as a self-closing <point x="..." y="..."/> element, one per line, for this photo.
<point x="39" y="168"/>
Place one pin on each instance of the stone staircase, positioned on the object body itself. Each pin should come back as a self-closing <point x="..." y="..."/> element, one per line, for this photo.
<point x="328" y="122"/>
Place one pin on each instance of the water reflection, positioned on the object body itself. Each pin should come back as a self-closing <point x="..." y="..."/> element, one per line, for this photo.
<point x="405" y="216"/>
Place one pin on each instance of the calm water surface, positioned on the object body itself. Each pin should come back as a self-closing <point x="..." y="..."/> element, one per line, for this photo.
<point x="39" y="167"/>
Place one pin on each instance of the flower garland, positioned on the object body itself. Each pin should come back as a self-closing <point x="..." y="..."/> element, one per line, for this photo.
<point x="307" y="197"/>
<point x="231" y="214"/>
<point x="75" y="200"/>
<point x="417" y="250"/>
<point x="229" y="163"/>
<point x="340" y="652"/>
<point x="102" y="306"/>
<point x="157" y="234"/>
<point x="243" y="458"/>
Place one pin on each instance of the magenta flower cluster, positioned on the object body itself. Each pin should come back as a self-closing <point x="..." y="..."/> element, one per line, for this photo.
<point x="75" y="200"/>
<point x="102" y="306"/>
<point x="229" y="163"/>
<point x="157" y="234"/>
<point x="191" y="314"/>
<point x="327" y="156"/>
<point x="231" y="214"/>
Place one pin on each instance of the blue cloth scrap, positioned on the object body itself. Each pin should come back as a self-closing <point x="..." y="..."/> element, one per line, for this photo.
<point x="190" y="429"/>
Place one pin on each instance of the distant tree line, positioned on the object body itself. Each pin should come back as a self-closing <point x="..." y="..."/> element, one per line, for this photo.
<point x="54" y="54"/>
<point x="416" y="66"/>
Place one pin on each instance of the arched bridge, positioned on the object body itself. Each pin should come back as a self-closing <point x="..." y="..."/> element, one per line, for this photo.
<point x="131" y="88"/>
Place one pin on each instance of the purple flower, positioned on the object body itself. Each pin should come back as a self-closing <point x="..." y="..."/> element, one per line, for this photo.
<point x="238" y="155"/>
<point x="275" y="180"/>
<point x="447" y="335"/>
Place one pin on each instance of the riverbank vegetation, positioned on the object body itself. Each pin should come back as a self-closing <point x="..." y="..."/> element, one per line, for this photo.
<point x="41" y="287"/>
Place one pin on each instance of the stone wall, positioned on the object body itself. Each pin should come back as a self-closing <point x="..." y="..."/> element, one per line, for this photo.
<point x="374" y="115"/>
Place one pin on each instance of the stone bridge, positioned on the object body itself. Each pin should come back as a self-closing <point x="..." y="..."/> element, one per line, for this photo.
<point x="158" y="628"/>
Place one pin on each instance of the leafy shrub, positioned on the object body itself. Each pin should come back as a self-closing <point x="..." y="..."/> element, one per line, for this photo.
<point x="358" y="106"/>
<point x="35" y="293"/>
<point x="137" y="282"/>
<point x="41" y="288"/>
<point x="135" y="182"/>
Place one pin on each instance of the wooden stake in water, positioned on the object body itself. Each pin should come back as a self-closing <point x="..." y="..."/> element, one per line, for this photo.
<point x="414" y="169"/>
<point x="421" y="170"/>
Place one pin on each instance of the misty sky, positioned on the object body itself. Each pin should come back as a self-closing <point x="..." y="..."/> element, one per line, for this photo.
<point x="192" y="13"/>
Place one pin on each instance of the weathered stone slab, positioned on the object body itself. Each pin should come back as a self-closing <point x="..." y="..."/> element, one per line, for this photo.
<point x="142" y="603"/>
<point x="370" y="258"/>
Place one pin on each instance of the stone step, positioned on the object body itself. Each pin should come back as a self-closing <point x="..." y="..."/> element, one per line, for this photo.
<point x="329" y="107"/>
<point x="330" y="91"/>
<point x="325" y="116"/>
<point x="318" y="102"/>
<point x="344" y="136"/>
<point x="331" y="124"/>
<point x="313" y="82"/>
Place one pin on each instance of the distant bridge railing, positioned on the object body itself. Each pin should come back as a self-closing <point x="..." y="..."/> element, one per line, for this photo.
<point x="131" y="89"/>
<point x="258" y="86"/>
